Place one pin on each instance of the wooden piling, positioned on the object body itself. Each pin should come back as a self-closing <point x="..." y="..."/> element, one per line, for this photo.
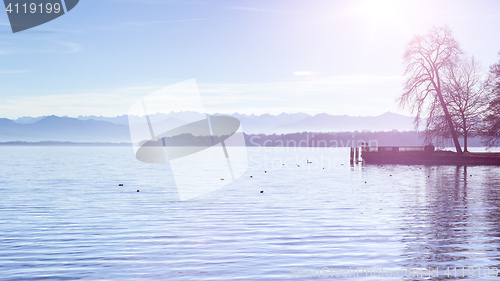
<point x="352" y="156"/>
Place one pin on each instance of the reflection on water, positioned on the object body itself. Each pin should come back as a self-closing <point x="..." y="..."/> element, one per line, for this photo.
<point x="453" y="221"/>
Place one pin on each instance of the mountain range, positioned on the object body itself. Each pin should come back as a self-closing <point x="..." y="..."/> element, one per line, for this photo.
<point x="116" y="129"/>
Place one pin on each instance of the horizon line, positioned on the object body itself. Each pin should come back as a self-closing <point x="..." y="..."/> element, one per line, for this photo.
<point x="217" y="113"/>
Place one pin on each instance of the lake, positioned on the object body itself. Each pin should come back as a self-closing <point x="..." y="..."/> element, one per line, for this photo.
<point x="63" y="216"/>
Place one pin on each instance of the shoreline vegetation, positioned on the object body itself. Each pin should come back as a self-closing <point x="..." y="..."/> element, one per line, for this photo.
<point x="303" y="139"/>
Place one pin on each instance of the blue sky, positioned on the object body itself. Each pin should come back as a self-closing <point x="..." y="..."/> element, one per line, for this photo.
<point x="337" y="57"/>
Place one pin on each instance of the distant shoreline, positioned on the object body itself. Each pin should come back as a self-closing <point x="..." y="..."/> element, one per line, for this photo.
<point x="61" y="143"/>
<point x="302" y="139"/>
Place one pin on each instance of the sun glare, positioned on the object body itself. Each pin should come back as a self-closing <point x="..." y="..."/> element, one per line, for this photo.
<point x="377" y="19"/>
<point x="376" y="12"/>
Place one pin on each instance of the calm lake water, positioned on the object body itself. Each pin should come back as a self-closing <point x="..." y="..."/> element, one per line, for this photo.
<point x="64" y="217"/>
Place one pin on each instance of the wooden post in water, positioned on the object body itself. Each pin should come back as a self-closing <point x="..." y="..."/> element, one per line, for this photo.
<point x="356" y="156"/>
<point x="352" y="155"/>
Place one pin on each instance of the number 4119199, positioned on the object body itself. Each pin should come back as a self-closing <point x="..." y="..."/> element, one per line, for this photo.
<point x="34" y="8"/>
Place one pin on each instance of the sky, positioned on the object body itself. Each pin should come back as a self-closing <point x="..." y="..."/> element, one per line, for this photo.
<point x="340" y="57"/>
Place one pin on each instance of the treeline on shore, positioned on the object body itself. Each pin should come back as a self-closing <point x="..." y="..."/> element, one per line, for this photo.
<point x="314" y="139"/>
<point x="303" y="139"/>
<point x="345" y="139"/>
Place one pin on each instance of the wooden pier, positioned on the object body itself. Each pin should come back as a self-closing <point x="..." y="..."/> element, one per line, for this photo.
<point x="355" y="155"/>
<point x="425" y="155"/>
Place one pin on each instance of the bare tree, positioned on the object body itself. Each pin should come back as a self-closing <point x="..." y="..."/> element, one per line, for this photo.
<point x="464" y="94"/>
<point x="492" y="128"/>
<point x="427" y="59"/>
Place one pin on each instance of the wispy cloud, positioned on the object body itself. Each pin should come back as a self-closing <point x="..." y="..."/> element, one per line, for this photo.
<point x="136" y="23"/>
<point x="4" y="72"/>
<point x="369" y="94"/>
<point x="305" y="73"/>
<point x="143" y="1"/>
<point x="107" y="102"/>
<point x="157" y="22"/>
<point x="178" y="20"/>
<point x="251" y="9"/>
<point x="71" y="47"/>
<point x="25" y="45"/>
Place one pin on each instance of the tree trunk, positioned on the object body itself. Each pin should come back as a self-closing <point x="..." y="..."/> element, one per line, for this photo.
<point x="466" y="135"/>
<point x="465" y="142"/>
<point x="450" y="123"/>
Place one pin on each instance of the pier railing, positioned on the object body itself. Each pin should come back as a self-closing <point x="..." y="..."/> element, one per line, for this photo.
<point x="383" y="153"/>
<point x="396" y="148"/>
